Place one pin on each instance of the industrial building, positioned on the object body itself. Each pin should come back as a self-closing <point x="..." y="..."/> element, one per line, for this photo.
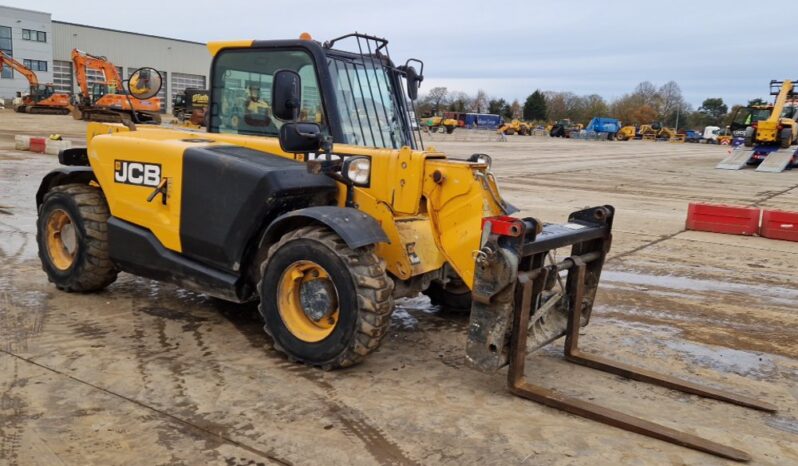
<point x="45" y="46"/>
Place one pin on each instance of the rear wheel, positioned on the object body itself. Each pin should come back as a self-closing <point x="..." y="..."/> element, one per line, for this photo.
<point x="72" y="233"/>
<point x="324" y="303"/>
<point x="453" y="296"/>
<point x="449" y="129"/>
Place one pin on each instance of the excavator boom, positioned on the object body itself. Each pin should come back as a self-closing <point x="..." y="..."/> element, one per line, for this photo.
<point x="109" y="103"/>
<point x="41" y="98"/>
<point x="783" y="90"/>
<point x="33" y="80"/>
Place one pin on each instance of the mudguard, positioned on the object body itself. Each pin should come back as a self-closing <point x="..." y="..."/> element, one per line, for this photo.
<point x="63" y="175"/>
<point x="356" y="228"/>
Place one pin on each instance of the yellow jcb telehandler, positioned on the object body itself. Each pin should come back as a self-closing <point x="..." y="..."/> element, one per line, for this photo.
<point x="775" y="124"/>
<point x="326" y="222"/>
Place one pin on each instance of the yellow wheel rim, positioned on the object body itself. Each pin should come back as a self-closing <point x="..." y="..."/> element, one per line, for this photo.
<point x="62" y="239"/>
<point x="308" y="321"/>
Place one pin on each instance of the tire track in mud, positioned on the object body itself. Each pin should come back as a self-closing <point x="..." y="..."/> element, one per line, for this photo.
<point x="12" y="412"/>
<point x="353" y="422"/>
<point x="213" y="436"/>
<point x="177" y="372"/>
<point x="9" y="230"/>
<point x="770" y="195"/>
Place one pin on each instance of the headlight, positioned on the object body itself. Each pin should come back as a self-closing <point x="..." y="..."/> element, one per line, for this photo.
<point x="481" y="158"/>
<point x="357" y="170"/>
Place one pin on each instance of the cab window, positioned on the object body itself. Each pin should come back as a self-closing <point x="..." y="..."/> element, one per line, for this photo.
<point x="242" y="86"/>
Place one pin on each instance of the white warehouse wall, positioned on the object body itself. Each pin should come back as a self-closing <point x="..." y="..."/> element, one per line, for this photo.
<point x="130" y="50"/>
<point x="18" y="19"/>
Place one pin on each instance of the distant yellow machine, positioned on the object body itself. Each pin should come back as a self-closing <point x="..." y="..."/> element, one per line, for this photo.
<point x="516" y="127"/>
<point x="439" y="124"/>
<point x="626" y="133"/>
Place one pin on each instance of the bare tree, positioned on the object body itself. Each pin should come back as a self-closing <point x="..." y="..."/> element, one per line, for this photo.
<point x="480" y="102"/>
<point x="437" y="98"/>
<point x="671" y="101"/>
<point x="459" y="102"/>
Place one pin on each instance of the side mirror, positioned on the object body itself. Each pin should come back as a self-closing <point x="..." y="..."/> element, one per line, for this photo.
<point x="413" y="82"/>
<point x="300" y="138"/>
<point x="413" y="77"/>
<point x="286" y="96"/>
<point x="144" y="83"/>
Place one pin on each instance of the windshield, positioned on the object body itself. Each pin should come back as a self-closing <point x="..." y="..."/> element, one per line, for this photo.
<point x="369" y="113"/>
<point x="788" y="112"/>
<point x="242" y="85"/>
<point x="749" y="115"/>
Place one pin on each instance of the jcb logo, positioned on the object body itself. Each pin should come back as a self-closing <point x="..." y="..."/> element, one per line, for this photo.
<point x="137" y="173"/>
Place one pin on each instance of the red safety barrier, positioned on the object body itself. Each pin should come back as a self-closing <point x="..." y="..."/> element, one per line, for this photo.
<point x="732" y="220"/>
<point x="778" y="224"/>
<point x="38" y="145"/>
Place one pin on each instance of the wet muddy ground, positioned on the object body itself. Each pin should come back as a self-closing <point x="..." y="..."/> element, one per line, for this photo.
<point x="146" y="373"/>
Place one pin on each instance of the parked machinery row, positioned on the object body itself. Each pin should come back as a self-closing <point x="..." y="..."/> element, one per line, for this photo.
<point x="100" y="100"/>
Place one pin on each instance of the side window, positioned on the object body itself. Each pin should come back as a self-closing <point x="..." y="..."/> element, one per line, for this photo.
<point x="242" y="86"/>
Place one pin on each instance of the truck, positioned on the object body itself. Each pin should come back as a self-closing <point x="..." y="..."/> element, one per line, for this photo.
<point x="611" y="126"/>
<point x="191" y="105"/>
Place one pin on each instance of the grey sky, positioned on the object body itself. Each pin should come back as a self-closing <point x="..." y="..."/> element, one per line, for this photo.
<point x="507" y="48"/>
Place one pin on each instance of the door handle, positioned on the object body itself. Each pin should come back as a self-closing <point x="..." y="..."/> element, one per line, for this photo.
<point x="161" y="189"/>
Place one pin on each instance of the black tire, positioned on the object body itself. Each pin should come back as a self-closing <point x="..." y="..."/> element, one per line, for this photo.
<point x="748" y="141"/>
<point x="786" y="138"/>
<point x="456" y="299"/>
<point x="364" y="297"/>
<point x="450" y="129"/>
<point x="91" y="268"/>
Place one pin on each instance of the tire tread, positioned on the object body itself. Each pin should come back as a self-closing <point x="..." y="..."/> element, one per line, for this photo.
<point x="374" y="294"/>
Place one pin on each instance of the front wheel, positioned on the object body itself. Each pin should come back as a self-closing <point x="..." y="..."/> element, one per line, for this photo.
<point x="786" y="138"/>
<point x="323" y="303"/>
<point x="748" y="141"/>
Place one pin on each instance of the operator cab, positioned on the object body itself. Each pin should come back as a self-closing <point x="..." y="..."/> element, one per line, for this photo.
<point x="356" y="98"/>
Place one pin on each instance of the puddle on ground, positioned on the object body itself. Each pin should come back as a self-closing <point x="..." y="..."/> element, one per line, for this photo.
<point x="785" y="424"/>
<point x="401" y="317"/>
<point x="746" y="363"/>
<point x="776" y="294"/>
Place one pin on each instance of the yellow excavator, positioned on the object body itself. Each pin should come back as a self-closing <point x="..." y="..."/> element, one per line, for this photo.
<point x="780" y="127"/>
<point x="327" y="214"/>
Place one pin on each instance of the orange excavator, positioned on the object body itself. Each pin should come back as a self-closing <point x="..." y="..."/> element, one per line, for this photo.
<point x="107" y="100"/>
<point x="41" y="98"/>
